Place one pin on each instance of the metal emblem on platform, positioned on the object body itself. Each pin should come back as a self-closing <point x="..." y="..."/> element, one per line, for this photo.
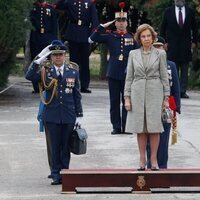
<point x="121" y="57"/>
<point x="79" y="22"/>
<point x="141" y="182"/>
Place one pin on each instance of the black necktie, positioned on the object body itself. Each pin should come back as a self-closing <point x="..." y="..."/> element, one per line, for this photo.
<point x="59" y="74"/>
<point x="180" y="18"/>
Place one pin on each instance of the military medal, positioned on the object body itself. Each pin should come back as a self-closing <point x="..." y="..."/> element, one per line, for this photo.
<point x="67" y="90"/>
<point x="79" y="22"/>
<point x="48" y="11"/>
<point x="70" y="82"/>
<point x="128" y="41"/>
<point x="42" y="30"/>
<point x="121" y="57"/>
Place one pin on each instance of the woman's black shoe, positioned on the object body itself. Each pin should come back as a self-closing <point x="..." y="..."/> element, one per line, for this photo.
<point x="154" y="169"/>
<point x="141" y="168"/>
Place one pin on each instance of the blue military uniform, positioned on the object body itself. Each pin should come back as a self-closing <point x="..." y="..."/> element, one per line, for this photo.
<point x="82" y="19"/>
<point x="119" y="45"/>
<point x="44" y="21"/>
<point x="60" y="114"/>
<point x="164" y="137"/>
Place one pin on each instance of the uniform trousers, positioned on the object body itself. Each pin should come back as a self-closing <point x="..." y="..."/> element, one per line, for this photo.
<point x="118" y="112"/>
<point x="79" y="53"/>
<point x="182" y="69"/>
<point x="59" y="139"/>
<point x="163" y="147"/>
<point x="49" y="146"/>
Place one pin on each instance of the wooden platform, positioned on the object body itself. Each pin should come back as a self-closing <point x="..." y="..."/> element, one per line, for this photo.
<point x="140" y="181"/>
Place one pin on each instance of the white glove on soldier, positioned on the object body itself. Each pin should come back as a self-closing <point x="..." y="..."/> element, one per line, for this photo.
<point x="39" y="60"/>
<point x="44" y="51"/>
<point x="78" y="121"/>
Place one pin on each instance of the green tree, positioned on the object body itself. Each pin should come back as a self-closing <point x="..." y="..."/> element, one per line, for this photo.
<point x="13" y="25"/>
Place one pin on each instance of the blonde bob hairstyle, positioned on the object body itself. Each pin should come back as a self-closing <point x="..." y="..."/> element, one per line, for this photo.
<point x="142" y="28"/>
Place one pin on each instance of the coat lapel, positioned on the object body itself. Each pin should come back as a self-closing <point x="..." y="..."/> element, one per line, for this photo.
<point x="53" y="71"/>
<point x="153" y="57"/>
<point x="173" y="12"/>
<point x="66" y="69"/>
<point x="138" y="57"/>
<point x="186" y="16"/>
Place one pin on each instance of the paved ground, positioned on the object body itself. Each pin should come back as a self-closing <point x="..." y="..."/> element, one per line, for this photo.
<point x="23" y="160"/>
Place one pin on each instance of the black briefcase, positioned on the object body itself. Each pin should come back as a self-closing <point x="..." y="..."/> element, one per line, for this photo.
<point x="78" y="141"/>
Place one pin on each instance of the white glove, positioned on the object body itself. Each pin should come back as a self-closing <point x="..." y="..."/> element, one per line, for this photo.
<point x="78" y="121"/>
<point x="44" y="51"/>
<point x="39" y="60"/>
<point x="107" y="24"/>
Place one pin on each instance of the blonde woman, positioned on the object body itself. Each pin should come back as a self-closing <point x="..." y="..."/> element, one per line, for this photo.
<point x="146" y="92"/>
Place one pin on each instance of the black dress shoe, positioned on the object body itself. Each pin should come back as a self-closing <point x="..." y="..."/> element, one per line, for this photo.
<point x="35" y="92"/>
<point x="85" y="90"/>
<point x="116" y="131"/>
<point x="154" y="168"/>
<point x="184" y="96"/>
<point x="141" y="168"/>
<point x="127" y="133"/>
<point x="49" y="176"/>
<point x="56" y="182"/>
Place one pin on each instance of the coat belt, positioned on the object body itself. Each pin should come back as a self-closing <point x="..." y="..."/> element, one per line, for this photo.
<point x="146" y="77"/>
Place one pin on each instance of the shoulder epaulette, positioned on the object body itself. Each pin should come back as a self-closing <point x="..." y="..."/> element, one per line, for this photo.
<point x="73" y="65"/>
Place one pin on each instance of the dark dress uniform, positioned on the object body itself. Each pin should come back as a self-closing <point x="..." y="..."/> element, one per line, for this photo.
<point x="60" y="114"/>
<point x="44" y="21"/>
<point x="82" y="19"/>
<point x="119" y="45"/>
<point x="164" y="136"/>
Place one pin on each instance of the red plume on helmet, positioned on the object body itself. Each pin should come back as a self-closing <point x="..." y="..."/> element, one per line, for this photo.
<point x="122" y="5"/>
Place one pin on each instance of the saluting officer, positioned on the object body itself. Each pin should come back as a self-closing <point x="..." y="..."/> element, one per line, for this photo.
<point x="120" y="43"/>
<point x="82" y="16"/>
<point x="44" y="21"/>
<point x="62" y="106"/>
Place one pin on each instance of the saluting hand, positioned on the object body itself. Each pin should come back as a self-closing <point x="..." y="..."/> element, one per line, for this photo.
<point x="108" y="24"/>
<point x="45" y="51"/>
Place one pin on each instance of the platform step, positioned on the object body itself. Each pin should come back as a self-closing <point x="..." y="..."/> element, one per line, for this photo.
<point x="139" y="181"/>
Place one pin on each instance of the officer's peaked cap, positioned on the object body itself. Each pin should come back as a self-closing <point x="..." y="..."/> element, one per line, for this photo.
<point x="159" y="41"/>
<point x="57" y="47"/>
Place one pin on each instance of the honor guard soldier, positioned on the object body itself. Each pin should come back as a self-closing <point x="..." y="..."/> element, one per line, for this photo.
<point x="44" y="21"/>
<point x="62" y="105"/>
<point x="175" y="106"/>
<point x="120" y="43"/>
<point x="82" y="16"/>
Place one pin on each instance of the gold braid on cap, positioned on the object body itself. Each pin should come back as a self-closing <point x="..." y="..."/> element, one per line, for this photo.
<point x="53" y="83"/>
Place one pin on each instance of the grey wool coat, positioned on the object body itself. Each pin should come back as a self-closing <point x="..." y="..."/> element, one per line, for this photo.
<point x="146" y="87"/>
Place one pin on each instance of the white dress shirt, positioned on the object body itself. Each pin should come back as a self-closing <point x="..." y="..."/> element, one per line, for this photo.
<point x="177" y="13"/>
<point x="61" y="69"/>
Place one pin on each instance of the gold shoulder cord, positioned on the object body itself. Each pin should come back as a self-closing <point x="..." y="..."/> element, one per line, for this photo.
<point x="53" y="83"/>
